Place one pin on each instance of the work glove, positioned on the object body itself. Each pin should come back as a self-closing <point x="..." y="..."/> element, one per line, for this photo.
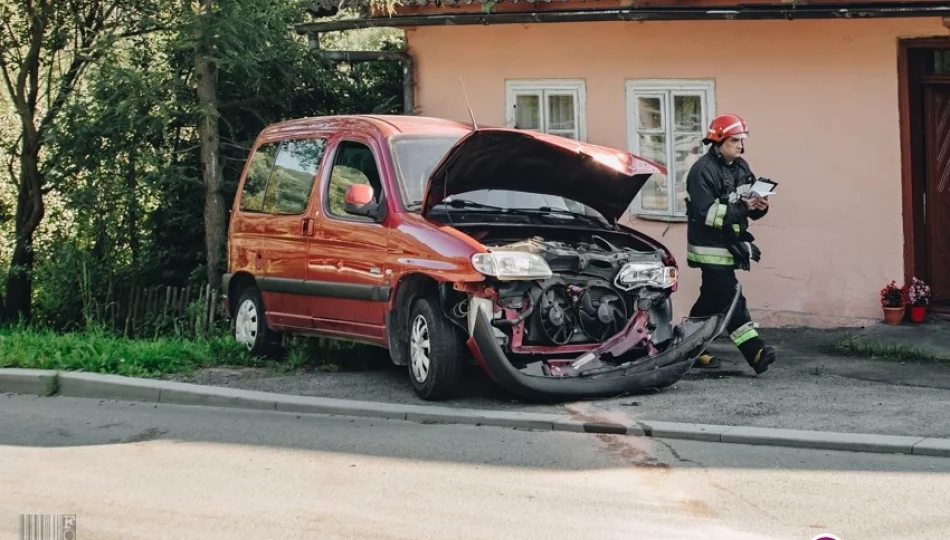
<point x="745" y="236"/>
<point x="743" y="253"/>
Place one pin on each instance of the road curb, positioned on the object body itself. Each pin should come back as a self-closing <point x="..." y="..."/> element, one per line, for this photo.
<point x="114" y="387"/>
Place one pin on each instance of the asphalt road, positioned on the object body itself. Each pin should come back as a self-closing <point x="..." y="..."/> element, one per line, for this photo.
<point x="143" y="471"/>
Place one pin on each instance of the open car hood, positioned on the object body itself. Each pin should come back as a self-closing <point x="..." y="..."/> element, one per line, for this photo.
<point x="602" y="178"/>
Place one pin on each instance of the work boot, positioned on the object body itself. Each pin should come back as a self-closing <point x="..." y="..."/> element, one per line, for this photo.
<point x="757" y="354"/>
<point x="707" y="361"/>
<point x="763" y="359"/>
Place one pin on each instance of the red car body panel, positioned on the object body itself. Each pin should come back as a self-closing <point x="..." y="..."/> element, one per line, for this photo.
<point x="319" y="247"/>
<point x="326" y="271"/>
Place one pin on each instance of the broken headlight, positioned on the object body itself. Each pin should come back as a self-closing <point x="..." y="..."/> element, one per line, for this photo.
<point x="643" y="274"/>
<point x="509" y="265"/>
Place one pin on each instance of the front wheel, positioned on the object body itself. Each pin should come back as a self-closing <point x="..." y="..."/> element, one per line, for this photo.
<point x="436" y="351"/>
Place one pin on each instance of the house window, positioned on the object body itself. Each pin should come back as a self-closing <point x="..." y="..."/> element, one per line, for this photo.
<point x="666" y="122"/>
<point x="554" y="106"/>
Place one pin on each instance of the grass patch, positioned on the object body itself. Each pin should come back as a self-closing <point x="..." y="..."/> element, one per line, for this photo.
<point x="879" y="350"/>
<point x="99" y="352"/>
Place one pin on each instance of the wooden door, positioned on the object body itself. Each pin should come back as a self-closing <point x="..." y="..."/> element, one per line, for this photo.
<point x="937" y="186"/>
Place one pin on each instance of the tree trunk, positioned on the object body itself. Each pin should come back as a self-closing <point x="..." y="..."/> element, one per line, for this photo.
<point x="214" y="214"/>
<point x="132" y="209"/>
<point x="29" y="213"/>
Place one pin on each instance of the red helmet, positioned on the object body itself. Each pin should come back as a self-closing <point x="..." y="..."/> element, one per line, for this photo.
<point x="726" y="125"/>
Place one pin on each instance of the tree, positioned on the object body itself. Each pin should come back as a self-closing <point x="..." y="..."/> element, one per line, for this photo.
<point x="238" y="42"/>
<point x="119" y="159"/>
<point x="45" y="48"/>
<point x="210" y="138"/>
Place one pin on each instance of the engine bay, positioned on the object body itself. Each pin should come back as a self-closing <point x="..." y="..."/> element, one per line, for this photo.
<point x="583" y="303"/>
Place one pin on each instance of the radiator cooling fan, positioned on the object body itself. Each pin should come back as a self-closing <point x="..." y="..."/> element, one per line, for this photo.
<point x="555" y="314"/>
<point x="602" y="312"/>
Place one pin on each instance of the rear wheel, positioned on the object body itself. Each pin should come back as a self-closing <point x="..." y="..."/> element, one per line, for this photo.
<point x="436" y="351"/>
<point x="249" y="327"/>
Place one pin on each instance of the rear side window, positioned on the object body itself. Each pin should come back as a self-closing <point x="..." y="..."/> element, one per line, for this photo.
<point x="252" y="196"/>
<point x="288" y="190"/>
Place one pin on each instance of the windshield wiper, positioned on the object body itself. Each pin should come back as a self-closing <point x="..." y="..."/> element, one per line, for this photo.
<point x="541" y="211"/>
<point x="563" y="212"/>
<point x="465" y="203"/>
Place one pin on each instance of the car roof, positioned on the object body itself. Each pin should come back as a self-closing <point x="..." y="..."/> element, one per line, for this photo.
<point x="385" y="125"/>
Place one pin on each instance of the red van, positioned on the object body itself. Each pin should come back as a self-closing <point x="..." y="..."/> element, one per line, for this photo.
<point x="448" y="244"/>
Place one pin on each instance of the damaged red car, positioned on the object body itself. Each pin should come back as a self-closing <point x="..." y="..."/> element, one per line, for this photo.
<point x="450" y="245"/>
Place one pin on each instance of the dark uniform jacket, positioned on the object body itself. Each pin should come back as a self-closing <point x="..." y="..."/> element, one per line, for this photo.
<point x="718" y="217"/>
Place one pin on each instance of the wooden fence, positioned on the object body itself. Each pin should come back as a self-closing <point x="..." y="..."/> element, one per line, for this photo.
<point x="154" y="311"/>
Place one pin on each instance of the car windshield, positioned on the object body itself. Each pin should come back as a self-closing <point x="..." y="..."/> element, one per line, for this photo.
<point x="416" y="157"/>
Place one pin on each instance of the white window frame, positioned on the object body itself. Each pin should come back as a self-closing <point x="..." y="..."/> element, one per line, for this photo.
<point x="666" y="89"/>
<point x="544" y="88"/>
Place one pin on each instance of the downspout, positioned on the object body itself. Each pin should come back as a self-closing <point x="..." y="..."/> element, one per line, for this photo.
<point x="408" y="82"/>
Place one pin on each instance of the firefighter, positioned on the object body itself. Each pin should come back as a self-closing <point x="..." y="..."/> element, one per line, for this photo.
<point x="719" y="207"/>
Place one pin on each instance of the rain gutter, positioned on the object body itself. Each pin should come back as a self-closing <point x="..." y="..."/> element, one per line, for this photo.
<point x="739" y="12"/>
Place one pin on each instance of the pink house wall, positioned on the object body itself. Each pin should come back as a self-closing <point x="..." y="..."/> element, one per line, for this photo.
<point x="821" y="98"/>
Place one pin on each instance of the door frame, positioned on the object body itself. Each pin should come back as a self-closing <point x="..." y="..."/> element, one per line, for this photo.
<point x="913" y="173"/>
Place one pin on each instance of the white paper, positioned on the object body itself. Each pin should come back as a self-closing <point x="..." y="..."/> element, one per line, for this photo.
<point x="762" y="189"/>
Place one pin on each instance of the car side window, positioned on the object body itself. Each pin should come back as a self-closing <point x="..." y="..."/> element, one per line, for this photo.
<point x="295" y="170"/>
<point x="262" y="162"/>
<point x="354" y="164"/>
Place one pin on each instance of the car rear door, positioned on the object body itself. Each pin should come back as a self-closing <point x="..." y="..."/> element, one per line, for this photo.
<point x="289" y="204"/>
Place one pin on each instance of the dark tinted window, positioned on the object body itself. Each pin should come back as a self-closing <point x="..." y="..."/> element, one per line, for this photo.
<point x="354" y="164"/>
<point x="252" y="195"/>
<point x="294" y="173"/>
<point x="938" y="62"/>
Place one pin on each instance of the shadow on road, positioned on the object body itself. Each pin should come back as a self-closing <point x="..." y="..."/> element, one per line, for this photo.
<point x="72" y="422"/>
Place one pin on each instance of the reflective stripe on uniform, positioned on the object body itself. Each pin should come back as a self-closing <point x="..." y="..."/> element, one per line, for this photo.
<point x="744" y="333"/>
<point x="709" y="255"/>
<point x="715" y="215"/>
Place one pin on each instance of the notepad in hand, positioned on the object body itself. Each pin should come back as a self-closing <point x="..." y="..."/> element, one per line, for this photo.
<point x="762" y="188"/>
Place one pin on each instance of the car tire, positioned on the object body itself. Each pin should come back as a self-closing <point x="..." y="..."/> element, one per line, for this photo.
<point x="249" y="327"/>
<point x="436" y="351"/>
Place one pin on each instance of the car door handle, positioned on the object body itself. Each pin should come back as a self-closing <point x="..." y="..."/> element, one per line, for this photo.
<point x="306" y="227"/>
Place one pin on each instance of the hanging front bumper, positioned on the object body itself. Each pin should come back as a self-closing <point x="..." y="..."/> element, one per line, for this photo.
<point x="588" y="375"/>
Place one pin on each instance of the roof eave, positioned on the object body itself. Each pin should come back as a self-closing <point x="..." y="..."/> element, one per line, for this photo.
<point x="782" y="11"/>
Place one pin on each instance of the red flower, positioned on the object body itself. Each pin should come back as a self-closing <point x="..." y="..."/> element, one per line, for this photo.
<point x="892" y="296"/>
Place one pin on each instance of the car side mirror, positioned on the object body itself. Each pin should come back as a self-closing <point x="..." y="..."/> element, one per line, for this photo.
<point x="359" y="201"/>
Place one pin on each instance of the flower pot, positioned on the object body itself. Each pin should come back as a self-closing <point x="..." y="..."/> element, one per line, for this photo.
<point x="918" y="314"/>
<point x="893" y="315"/>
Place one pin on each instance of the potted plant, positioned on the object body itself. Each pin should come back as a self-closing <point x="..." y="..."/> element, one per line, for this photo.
<point x="918" y="297"/>
<point x="893" y="300"/>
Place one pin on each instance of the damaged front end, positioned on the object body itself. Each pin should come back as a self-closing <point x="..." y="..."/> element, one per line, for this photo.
<point x="598" y="324"/>
<point x="572" y="305"/>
